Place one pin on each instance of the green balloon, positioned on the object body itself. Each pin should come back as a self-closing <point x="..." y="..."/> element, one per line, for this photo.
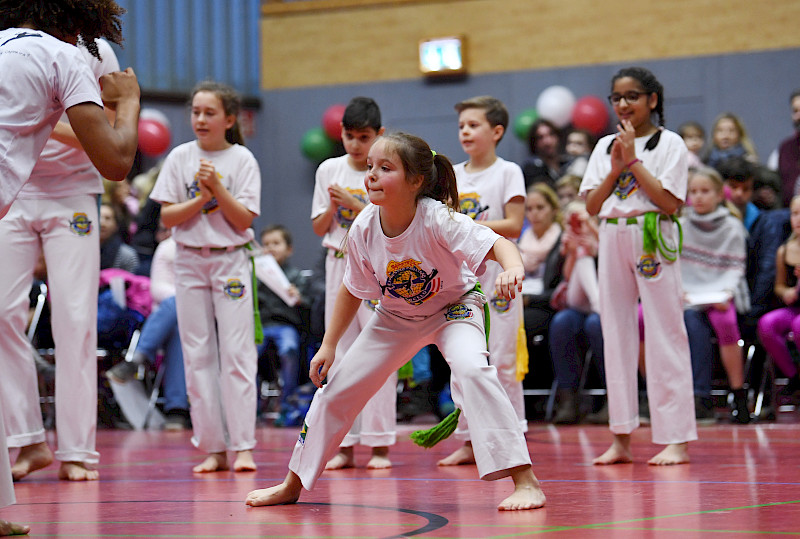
<point x="316" y="145"/>
<point x="523" y="123"/>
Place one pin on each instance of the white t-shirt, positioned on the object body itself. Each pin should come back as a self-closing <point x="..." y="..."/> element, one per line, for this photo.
<point x="337" y="171"/>
<point x="177" y="182"/>
<point x="427" y="267"/>
<point x="41" y="78"/>
<point x="64" y="171"/>
<point x="668" y="162"/>
<point x="483" y="195"/>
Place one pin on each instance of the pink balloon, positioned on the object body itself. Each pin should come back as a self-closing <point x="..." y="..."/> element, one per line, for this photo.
<point x="590" y="113"/>
<point x="154" y="137"/>
<point x="332" y="121"/>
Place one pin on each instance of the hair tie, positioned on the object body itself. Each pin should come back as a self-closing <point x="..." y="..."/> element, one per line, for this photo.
<point x="433" y="153"/>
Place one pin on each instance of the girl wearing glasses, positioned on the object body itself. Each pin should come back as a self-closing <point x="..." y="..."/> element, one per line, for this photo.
<point x="635" y="181"/>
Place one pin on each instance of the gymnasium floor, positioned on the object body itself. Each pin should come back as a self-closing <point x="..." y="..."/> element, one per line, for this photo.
<point x="743" y="482"/>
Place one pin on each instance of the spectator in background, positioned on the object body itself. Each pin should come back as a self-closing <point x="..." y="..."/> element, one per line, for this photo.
<point x="729" y="139"/>
<point x="786" y="159"/>
<point x="578" y="147"/>
<point x="739" y="177"/>
<point x="546" y="160"/>
<point x="694" y="136"/>
<point x="114" y="253"/>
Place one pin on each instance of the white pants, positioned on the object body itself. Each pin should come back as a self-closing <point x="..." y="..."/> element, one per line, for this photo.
<point x="384" y="345"/>
<point x="66" y="230"/>
<point x="626" y="273"/>
<point x="214" y="300"/>
<point x="6" y="482"/>
<point x="376" y="425"/>
<point x="505" y="318"/>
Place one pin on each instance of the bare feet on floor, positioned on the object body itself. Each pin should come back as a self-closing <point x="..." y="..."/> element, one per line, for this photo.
<point x="77" y="471"/>
<point x="618" y="453"/>
<point x="672" y="454"/>
<point x="31" y="458"/>
<point x="343" y="459"/>
<point x="527" y="492"/>
<point x="244" y="462"/>
<point x="380" y="459"/>
<point x="462" y="455"/>
<point x="286" y="492"/>
<point x="9" y="528"/>
<point x="215" y="462"/>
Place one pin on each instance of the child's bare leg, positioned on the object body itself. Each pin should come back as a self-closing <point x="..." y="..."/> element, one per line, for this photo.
<point x="215" y="462"/>
<point x="77" y="471"/>
<point x="527" y="491"/>
<point x="9" y="528"/>
<point x="618" y="453"/>
<point x="286" y="492"/>
<point x="380" y="458"/>
<point x="462" y="455"/>
<point x="672" y="454"/>
<point x="244" y="461"/>
<point x="31" y="458"/>
<point x="343" y="459"/>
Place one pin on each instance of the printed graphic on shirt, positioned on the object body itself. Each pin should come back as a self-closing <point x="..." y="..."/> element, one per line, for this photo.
<point x="408" y="281"/>
<point x="303" y="432"/>
<point x="627" y="184"/>
<point x="80" y="224"/>
<point x="648" y="266"/>
<point x="345" y="216"/>
<point x="459" y="311"/>
<point x="371" y="304"/>
<point x="470" y="204"/>
<point x="500" y="304"/>
<point x="193" y="191"/>
<point x="234" y="289"/>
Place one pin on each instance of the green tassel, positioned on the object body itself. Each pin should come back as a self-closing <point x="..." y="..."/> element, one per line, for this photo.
<point x="431" y="437"/>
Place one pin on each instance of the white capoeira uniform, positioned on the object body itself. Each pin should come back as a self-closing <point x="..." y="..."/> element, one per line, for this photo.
<point x="424" y="278"/>
<point x="55" y="213"/>
<point x="6" y="480"/>
<point x="214" y="286"/>
<point x="483" y="196"/>
<point x="626" y="273"/>
<point x="376" y="425"/>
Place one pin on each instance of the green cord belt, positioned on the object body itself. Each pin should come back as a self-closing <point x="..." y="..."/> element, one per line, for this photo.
<point x="652" y="233"/>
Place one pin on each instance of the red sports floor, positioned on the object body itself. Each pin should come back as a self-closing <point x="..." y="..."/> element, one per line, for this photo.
<point x="743" y="482"/>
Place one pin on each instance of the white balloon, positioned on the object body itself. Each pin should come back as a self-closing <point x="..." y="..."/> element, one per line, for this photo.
<point x="155" y="115"/>
<point x="555" y="103"/>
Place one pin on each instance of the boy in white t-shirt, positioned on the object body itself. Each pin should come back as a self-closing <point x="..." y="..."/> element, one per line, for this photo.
<point x="339" y="196"/>
<point x="491" y="190"/>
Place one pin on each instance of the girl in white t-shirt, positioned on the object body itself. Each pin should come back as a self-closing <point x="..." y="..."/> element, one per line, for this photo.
<point x="210" y="191"/>
<point x="635" y="181"/>
<point x="412" y="249"/>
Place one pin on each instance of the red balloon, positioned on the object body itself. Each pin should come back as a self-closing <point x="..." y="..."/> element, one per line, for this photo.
<point x="332" y="121"/>
<point x="153" y="137"/>
<point x="590" y="113"/>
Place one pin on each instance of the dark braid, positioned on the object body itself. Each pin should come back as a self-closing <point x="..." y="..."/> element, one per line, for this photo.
<point x="650" y="85"/>
<point x="438" y="176"/>
<point x="88" y="19"/>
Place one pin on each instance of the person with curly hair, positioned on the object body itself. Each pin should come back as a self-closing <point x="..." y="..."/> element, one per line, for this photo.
<point x="44" y="74"/>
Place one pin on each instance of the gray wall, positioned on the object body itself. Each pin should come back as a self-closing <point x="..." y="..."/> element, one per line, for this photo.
<point x="754" y="86"/>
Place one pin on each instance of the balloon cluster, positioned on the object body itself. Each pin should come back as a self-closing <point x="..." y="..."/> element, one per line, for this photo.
<point x="320" y="143"/>
<point x="154" y="133"/>
<point x="558" y="105"/>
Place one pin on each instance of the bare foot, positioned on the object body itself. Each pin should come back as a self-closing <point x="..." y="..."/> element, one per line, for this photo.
<point x="462" y="455"/>
<point x="9" y="528"/>
<point x="618" y="453"/>
<point x="380" y="459"/>
<point x="672" y="454"/>
<point x="527" y="492"/>
<point x="31" y="458"/>
<point x="77" y="471"/>
<point x="244" y="462"/>
<point x="286" y="492"/>
<point x="215" y="462"/>
<point x="343" y="459"/>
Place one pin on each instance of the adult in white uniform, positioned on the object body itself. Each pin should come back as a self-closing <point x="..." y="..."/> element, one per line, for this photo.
<point x="55" y="213"/>
<point x="44" y="76"/>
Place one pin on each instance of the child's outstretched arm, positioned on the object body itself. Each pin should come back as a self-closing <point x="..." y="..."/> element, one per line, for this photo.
<point x="343" y="313"/>
<point x="509" y="282"/>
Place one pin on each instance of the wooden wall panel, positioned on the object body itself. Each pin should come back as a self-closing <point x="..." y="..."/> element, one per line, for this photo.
<point x="357" y="43"/>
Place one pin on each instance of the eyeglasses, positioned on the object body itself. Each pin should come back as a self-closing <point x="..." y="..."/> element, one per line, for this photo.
<point x="630" y="97"/>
